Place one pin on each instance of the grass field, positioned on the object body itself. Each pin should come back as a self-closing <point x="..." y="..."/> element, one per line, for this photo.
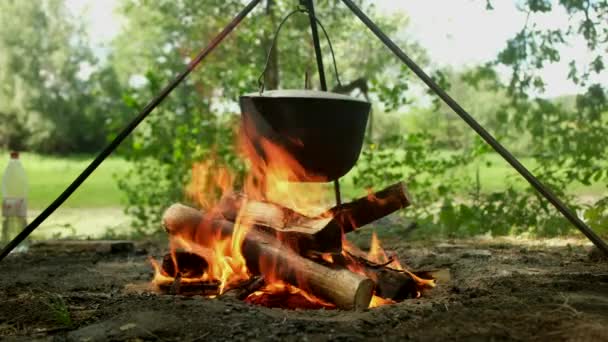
<point x="496" y="176"/>
<point x="48" y="176"/>
<point x="97" y="204"/>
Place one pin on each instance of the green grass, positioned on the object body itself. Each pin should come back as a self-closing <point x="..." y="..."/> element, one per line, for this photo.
<point x="48" y="176"/>
<point x="58" y="309"/>
<point x="499" y="175"/>
<point x="495" y="175"/>
<point x="97" y="204"/>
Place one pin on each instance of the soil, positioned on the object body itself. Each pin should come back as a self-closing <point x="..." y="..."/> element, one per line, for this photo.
<point x="488" y="290"/>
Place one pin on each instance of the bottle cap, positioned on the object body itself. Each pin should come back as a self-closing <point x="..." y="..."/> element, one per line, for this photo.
<point x="14" y="155"/>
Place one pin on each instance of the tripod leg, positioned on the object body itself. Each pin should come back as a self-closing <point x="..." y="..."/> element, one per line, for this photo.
<point x="128" y="129"/>
<point x="489" y="139"/>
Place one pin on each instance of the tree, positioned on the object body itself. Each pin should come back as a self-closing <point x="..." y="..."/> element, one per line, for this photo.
<point x="47" y="103"/>
<point x="568" y="143"/>
<point x="198" y="119"/>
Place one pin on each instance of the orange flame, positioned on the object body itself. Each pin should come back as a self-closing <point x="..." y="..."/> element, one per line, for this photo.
<point x="379" y="301"/>
<point x="270" y="174"/>
<point x="285" y="293"/>
<point x="265" y="181"/>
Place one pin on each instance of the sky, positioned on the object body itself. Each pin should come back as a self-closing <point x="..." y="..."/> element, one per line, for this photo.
<point x="455" y="33"/>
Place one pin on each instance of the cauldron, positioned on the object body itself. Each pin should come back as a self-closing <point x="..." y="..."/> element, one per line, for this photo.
<point x="322" y="131"/>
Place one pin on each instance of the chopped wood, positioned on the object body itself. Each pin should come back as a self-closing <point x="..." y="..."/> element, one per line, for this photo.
<point x="298" y="231"/>
<point x="323" y="233"/>
<point x="189" y="265"/>
<point x="180" y="220"/>
<point x="301" y="233"/>
<point x="372" y="207"/>
<point x="346" y="289"/>
<point x="390" y="283"/>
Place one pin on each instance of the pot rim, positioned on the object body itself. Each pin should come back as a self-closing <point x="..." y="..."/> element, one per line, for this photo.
<point x="303" y="93"/>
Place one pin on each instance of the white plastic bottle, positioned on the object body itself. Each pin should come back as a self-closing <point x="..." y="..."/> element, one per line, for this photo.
<point x="14" y="202"/>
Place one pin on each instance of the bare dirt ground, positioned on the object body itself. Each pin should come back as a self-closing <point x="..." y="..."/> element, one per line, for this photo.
<point x="490" y="290"/>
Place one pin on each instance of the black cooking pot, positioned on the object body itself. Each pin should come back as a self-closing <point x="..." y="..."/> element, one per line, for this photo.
<point x="322" y="131"/>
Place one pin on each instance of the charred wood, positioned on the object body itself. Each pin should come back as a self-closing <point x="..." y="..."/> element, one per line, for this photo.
<point x="189" y="265"/>
<point x="370" y="208"/>
<point x="346" y="289"/>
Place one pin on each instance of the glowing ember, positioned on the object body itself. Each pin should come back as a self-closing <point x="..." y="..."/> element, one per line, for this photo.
<point x="226" y="266"/>
<point x="281" y="295"/>
<point x="379" y="301"/>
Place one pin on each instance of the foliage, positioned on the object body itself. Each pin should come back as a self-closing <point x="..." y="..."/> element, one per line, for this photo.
<point x="47" y="104"/>
<point x="57" y="97"/>
<point x="553" y="134"/>
<point x="197" y="121"/>
<point x="59" y="309"/>
<point x="569" y="142"/>
<point x="597" y="215"/>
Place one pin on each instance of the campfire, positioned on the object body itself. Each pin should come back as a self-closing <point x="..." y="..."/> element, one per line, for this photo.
<point x="275" y="243"/>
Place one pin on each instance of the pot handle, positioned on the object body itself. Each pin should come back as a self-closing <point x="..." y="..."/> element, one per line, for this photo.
<point x="276" y="36"/>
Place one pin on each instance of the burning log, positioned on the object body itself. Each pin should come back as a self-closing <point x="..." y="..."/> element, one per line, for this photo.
<point x="393" y="284"/>
<point x="320" y="234"/>
<point x="300" y="232"/>
<point x="253" y="284"/>
<point x="349" y="216"/>
<point x="342" y="287"/>
<point x="185" y="265"/>
<point x="190" y="265"/>
<point x="390" y="283"/>
<point x="368" y="209"/>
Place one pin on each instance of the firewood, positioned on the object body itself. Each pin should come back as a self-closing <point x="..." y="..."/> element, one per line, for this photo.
<point x="181" y="220"/>
<point x="390" y="283"/>
<point x="349" y="216"/>
<point x="396" y="284"/>
<point x="189" y="265"/>
<point x="346" y="289"/>
<point x="323" y="233"/>
<point x="300" y="233"/>
<point x="368" y="209"/>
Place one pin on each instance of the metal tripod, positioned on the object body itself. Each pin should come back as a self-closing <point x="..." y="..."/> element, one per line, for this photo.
<point x="485" y="135"/>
